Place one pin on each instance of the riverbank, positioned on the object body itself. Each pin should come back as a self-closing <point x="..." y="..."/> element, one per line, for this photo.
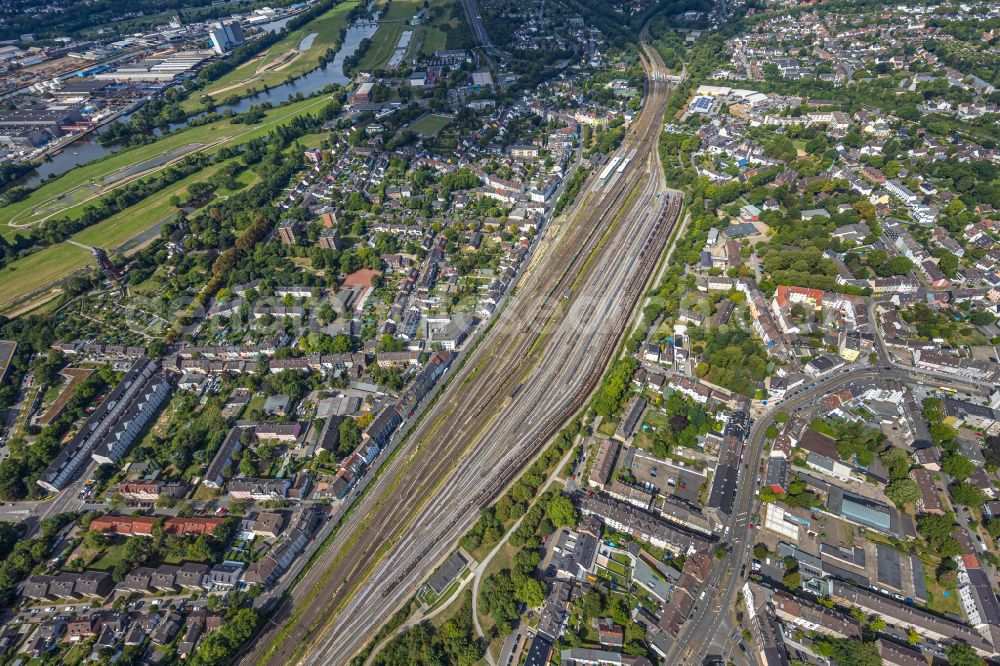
<point x="80" y="150"/>
<point x="29" y="281"/>
<point x="48" y="199"/>
<point x="48" y="265"/>
<point x="267" y="72"/>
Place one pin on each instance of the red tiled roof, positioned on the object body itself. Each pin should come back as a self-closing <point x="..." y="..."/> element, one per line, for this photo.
<point x="132" y="525"/>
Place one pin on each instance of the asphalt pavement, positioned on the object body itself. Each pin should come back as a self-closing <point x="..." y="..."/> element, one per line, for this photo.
<point x="711" y="617"/>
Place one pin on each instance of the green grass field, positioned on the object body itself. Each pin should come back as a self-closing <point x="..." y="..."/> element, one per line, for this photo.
<point x="69" y="200"/>
<point x="117" y="229"/>
<point x="258" y="72"/>
<point x="433" y="37"/>
<point x="57" y="261"/>
<point x="40" y="204"/>
<point x="434" y="40"/>
<point x="430" y="124"/>
<point x="385" y="40"/>
<point x="68" y="195"/>
<point x="109" y="558"/>
<point x="40" y="268"/>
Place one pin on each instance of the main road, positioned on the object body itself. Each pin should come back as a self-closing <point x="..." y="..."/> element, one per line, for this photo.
<point x="531" y="372"/>
<point x="710" y="619"/>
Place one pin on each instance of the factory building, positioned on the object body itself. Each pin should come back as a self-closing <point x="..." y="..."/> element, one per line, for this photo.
<point x="225" y="36"/>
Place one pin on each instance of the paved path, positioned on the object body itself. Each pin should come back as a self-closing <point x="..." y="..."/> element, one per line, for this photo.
<point x="475" y="578"/>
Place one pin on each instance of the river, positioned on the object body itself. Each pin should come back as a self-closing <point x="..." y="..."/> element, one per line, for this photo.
<point x="314" y="81"/>
<point x="88" y="148"/>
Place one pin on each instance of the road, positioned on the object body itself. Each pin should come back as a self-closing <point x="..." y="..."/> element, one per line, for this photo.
<point x="475" y="20"/>
<point x="711" y="617"/>
<point x="532" y="372"/>
<point x="476" y="574"/>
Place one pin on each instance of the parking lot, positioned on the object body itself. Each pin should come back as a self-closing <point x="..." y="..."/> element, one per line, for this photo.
<point x="660" y="473"/>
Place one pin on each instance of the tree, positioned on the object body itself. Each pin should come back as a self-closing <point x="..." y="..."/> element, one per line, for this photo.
<point x="960" y="654"/>
<point x="94" y="539"/>
<point x="219" y="646"/>
<point x="897" y="461"/>
<point x="780" y="147"/>
<point x="933" y="409"/>
<point x="390" y="343"/>
<point x="937" y="531"/>
<point x="502" y="509"/>
<point x="942" y="434"/>
<point x="526" y="560"/>
<point x="609" y="398"/>
<point x="967" y="494"/>
<point x="531" y="592"/>
<point x="847" y="652"/>
<point x="350" y="436"/>
<point x="792" y="580"/>
<point x="325" y="313"/>
<point x="561" y="511"/>
<point x="865" y="209"/>
<point x="903" y="491"/>
<point x="992" y="451"/>
<point x="957" y="466"/>
<point x="247" y="465"/>
<point x="497" y="599"/>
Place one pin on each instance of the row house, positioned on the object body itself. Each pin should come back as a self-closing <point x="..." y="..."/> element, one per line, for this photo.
<point x="69" y="586"/>
<point x="258" y="490"/>
<point x="150" y="491"/>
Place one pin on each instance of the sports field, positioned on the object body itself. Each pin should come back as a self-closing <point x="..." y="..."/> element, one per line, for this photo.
<point x="430" y="124"/>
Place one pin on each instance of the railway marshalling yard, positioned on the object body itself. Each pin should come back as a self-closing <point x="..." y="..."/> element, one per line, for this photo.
<point x="553" y="339"/>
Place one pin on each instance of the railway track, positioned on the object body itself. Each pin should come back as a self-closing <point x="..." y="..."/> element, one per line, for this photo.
<point x="511" y="469"/>
<point x="381" y="548"/>
<point x="499" y="378"/>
